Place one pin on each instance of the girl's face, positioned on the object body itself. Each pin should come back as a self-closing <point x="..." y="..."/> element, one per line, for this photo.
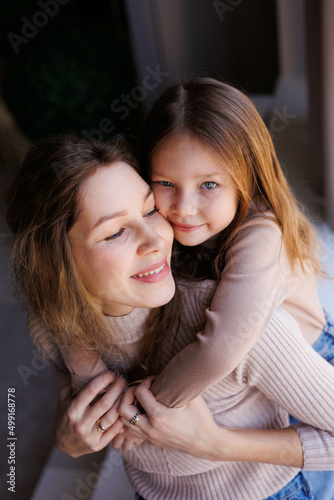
<point x="195" y="195"/>
<point x="121" y="244"/>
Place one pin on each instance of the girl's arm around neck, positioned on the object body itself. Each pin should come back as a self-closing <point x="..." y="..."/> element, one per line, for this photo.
<point x="253" y="285"/>
<point x="285" y="370"/>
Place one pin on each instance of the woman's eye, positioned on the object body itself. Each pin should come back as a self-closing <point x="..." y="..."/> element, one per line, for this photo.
<point x="152" y="212"/>
<point x="209" y="185"/>
<point x="115" y="236"/>
<point x="165" y="183"/>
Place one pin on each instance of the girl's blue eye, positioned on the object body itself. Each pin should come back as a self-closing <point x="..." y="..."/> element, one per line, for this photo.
<point x="115" y="236"/>
<point x="152" y="212"/>
<point x="209" y="185"/>
<point x="165" y="183"/>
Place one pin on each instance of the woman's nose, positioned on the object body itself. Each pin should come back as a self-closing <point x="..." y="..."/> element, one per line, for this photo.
<point x="184" y="205"/>
<point x="151" y="241"/>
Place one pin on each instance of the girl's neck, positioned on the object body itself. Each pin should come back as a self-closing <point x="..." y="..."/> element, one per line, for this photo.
<point x="210" y="244"/>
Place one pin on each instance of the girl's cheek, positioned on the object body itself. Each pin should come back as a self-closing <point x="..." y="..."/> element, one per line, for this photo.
<point x="162" y="201"/>
<point x="163" y="209"/>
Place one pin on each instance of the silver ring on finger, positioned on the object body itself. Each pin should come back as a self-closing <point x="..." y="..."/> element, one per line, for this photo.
<point x="135" y="418"/>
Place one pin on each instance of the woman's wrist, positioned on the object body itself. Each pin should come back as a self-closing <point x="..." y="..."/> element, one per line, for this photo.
<point x="217" y="446"/>
<point x="272" y="446"/>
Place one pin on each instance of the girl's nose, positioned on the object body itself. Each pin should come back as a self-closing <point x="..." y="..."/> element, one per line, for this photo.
<point x="184" y="205"/>
<point x="151" y="241"/>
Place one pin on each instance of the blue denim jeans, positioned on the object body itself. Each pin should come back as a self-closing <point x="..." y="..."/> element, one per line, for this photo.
<point x="325" y="343"/>
<point x="297" y="489"/>
<point x="322" y="482"/>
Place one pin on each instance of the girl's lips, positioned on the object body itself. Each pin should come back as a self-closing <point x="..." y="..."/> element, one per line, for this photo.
<point x="185" y="228"/>
<point x="155" y="273"/>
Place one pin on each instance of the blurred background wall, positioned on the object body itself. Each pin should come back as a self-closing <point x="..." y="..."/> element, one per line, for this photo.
<point x="95" y="67"/>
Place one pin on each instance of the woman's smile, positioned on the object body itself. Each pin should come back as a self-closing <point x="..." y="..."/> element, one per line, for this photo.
<point x="153" y="275"/>
<point x="121" y="243"/>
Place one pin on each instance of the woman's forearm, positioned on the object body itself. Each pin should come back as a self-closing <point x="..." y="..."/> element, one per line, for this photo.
<point x="192" y="430"/>
<point x="271" y="446"/>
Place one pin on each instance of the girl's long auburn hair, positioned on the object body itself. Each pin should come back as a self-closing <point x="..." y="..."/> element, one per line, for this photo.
<point x="43" y="203"/>
<point x="227" y="124"/>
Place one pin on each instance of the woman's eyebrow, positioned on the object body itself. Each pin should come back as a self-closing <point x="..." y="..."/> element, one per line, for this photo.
<point x="105" y="218"/>
<point x="121" y="213"/>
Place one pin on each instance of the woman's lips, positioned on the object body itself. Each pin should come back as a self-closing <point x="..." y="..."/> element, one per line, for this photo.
<point x="153" y="274"/>
<point x="185" y="228"/>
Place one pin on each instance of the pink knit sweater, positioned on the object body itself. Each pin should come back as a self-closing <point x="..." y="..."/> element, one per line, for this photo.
<point x="256" y="280"/>
<point x="280" y="374"/>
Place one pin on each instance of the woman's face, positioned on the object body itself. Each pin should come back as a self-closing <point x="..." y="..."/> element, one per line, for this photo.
<point x="121" y="244"/>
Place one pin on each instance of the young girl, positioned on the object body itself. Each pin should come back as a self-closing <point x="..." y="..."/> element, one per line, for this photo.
<point x="216" y="178"/>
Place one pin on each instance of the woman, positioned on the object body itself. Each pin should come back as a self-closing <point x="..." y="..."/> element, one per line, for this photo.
<point x="92" y="255"/>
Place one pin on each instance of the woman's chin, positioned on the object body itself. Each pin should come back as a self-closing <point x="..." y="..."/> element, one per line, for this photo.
<point x="162" y="297"/>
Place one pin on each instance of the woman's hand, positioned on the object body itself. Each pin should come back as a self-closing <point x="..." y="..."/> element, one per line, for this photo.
<point x="75" y="430"/>
<point x="126" y="440"/>
<point x="190" y="429"/>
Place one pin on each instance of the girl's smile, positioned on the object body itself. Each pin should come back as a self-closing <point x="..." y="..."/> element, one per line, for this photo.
<point x="197" y="196"/>
<point x="185" y="228"/>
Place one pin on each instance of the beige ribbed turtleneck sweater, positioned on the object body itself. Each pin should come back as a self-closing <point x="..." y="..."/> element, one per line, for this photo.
<point x="281" y="374"/>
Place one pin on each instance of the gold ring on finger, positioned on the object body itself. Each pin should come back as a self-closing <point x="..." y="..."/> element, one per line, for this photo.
<point x="100" y="427"/>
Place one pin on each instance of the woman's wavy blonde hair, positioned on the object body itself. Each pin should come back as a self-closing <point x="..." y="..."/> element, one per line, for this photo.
<point x="227" y="124"/>
<point x="43" y="203"/>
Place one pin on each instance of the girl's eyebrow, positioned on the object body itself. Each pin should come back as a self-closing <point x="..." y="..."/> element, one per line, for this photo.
<point x="205" y="175"/>
<point x="121" y="213"/>
<point x="214" y="173"/>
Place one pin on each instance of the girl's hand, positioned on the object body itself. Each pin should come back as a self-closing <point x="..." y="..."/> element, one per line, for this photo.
<point x="190" y="429"/>
<point x="75" y="430"/>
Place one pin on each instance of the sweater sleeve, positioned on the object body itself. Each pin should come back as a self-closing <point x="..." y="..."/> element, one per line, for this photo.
<point x="81" y="366"/>
<point x="285" y="368"/>
<point x="68" y="363"/>
<point x="252" y="286"/>
<point x="44" y="343"/>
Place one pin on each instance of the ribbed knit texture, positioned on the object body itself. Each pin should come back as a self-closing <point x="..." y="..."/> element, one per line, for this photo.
<point x="256" y="280"/>
<point x="281" y="369"/>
